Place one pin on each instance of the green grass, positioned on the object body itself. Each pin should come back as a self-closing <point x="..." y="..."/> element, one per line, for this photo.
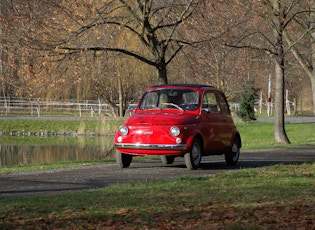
<point x="98" y="126"/>
<point x="62" y="164"/>
<point x="260" y="135"/>
<point x="248" y="199"/>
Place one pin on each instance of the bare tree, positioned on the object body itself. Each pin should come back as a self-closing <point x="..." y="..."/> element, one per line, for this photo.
<point x="152" y="24"/>
<point x="212" y="62"/>
<point x="275" y="17"/>
<point x="301" y="41"/>
<point x="12" y="54"/>
<point x="145" y="30"/>
<point x="20" y="62"/>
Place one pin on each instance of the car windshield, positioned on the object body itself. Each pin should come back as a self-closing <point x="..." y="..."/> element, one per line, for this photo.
<point x="182" y="99"/>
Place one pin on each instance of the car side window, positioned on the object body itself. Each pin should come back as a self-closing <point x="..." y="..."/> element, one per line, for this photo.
<point x="209" y="102"/>
<point x="223" y="104"/>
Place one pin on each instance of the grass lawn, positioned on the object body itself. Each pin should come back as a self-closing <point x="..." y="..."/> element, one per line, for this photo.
<point x="97" y="126"/>
<point x="260" y="135"/>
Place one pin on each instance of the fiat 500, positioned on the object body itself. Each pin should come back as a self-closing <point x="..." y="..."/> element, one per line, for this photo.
<point x="170" y="121"/>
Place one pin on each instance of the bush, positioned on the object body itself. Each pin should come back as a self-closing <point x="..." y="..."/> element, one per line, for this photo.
<point x="246" y="111"/>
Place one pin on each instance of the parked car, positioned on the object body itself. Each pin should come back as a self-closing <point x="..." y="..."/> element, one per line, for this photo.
<point x="179" y="120"/>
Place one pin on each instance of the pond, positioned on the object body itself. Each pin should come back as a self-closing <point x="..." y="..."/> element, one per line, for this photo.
<point x="21" y="150"/>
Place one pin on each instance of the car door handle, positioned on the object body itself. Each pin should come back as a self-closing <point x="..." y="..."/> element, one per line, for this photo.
<point x="222" y="119"/>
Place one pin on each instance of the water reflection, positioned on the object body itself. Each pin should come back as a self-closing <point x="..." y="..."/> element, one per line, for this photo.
<point x="34" y="150"/>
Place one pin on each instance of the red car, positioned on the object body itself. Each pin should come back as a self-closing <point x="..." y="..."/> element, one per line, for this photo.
<point x="179" y="120"/>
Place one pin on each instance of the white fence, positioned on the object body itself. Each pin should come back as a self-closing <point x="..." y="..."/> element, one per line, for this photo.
<point x="41" y="107"/>
<point x="268" y="107"/>
<point x="36" y="107"/>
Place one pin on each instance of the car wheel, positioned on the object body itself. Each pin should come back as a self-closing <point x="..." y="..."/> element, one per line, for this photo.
<point x="167" y="160"/>
<point x="193" y="157"/>
<point x="232" y="156"/>
<point x="123" y="160"/>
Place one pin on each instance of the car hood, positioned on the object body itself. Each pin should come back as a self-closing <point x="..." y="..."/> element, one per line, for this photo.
<point x="161" y="119"/>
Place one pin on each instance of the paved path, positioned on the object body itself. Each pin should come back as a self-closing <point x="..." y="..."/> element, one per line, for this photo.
<point x="49" y="182"/>
<point x="296" y="120"/>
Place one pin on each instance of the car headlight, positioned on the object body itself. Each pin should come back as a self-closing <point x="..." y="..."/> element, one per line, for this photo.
<point x="175" y="131"/>
<point x="123" y="130"/>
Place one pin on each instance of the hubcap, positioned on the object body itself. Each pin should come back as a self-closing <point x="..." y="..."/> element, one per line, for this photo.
<point x="195" y="153"/>
<point x="235" y="152"/>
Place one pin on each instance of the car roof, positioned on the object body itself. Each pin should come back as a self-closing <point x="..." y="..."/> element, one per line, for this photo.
<point x="184" y="85"/>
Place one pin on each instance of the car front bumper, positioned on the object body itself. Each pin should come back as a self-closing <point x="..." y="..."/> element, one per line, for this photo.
<point x="151" y="146"/>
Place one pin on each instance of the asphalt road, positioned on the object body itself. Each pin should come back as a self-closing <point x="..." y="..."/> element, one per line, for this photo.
<point x="295" y="120"/>
<point x="49" y="182"/>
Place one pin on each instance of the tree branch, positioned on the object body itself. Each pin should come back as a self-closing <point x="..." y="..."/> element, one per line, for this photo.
<point x="111" y="49"/>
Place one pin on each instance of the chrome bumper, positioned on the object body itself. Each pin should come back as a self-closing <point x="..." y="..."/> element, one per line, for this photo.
<point x="152" y="146"/>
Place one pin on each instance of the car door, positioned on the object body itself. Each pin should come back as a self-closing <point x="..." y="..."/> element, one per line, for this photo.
<point x="226" y="119"/>
<point x="212" y="123"/>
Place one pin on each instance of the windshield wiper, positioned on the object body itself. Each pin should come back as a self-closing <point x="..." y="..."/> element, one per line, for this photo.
<point x="174" y="105"/>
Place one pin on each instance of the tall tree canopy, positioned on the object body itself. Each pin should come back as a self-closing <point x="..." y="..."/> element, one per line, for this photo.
<point x="146" y="30"/>
<point x="82" y="48"/>
<point x="276" y="17"/>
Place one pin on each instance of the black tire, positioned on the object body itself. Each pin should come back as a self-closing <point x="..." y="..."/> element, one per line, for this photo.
<point x="193" y="157"/>
<point x="123" y="160"/>
<point x="232" y="156"/>
<point x="167" y="160"/>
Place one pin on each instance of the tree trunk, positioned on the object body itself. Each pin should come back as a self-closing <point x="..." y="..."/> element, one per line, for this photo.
<point x="162" y="74"/>
<point x="279" y="129"/>
<point x="112" y="106"/>
<point x="121" y="101"/>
